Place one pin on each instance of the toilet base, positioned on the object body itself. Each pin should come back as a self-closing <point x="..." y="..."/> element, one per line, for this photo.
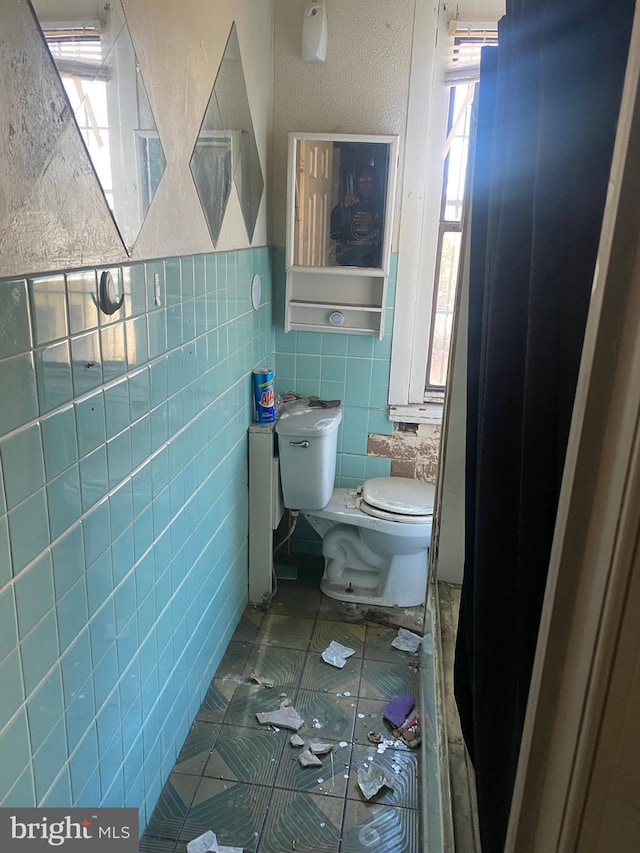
<point x="361" y="595"/>
<point x="374" y="587"/>
<point x="368" y="560"/>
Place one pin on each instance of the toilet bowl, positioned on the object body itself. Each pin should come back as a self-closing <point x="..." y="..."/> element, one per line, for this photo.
<point x="375" y="539"/>
<point x="370" y="559"/>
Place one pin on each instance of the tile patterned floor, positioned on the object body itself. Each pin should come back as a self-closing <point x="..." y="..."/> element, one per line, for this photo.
<point x="243" y="780"/>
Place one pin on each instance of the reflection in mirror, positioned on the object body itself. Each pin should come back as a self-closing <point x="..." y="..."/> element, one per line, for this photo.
<point x="341" y="189"/>
<point x="94" y="55"/>
<point x="226" y="149"/>
<point x="212" y="169"/>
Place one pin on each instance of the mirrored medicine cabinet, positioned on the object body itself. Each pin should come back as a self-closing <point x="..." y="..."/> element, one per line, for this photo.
<point x="340" y="198"/>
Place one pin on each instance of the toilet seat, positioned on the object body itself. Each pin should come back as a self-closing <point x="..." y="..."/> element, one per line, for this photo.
<point x="397" y="499"/>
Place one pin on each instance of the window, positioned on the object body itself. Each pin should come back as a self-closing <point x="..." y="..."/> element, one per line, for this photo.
<point x="462" y="73"/>
<point x="442" y="82"/>
<point x="449" y="234"/>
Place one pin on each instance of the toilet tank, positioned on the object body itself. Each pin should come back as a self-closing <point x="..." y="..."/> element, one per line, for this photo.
<point x="307" y="442"/>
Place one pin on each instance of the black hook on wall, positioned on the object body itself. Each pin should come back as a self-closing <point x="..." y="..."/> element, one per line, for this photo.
<point x="109" y="300"/>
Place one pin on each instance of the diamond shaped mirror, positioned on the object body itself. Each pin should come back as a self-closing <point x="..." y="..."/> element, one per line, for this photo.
<point x="93" y="52"/>
<point x="226" y="148"/>
<point x="211" y="166"/>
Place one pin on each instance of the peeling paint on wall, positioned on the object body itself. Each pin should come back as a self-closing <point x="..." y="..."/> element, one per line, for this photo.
<point x="412" y="453"/>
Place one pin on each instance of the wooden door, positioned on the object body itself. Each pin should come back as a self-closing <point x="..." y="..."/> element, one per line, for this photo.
<point x="313" y="202"/>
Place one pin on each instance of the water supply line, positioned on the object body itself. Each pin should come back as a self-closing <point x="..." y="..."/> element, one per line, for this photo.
<point x="268" y="597"/>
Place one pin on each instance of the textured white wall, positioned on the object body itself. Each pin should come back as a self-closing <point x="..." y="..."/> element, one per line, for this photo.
<point x="362" y="86"/>
<point x="52" y="213"/>
<point x="479" y="10"/>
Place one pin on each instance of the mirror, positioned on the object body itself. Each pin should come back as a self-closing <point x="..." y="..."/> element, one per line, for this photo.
<point x="226" y="148"/>
<point x="341" y="201"/>
<point x="96" y="60"/>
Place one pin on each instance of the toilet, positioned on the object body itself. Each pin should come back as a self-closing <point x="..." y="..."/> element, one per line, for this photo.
<point x="375" y="538"/>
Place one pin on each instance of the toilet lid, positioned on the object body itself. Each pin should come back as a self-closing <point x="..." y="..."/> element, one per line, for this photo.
<point x="398" y="496"/>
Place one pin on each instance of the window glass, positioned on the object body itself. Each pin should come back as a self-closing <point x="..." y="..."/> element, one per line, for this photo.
<point x="443" y="313"/>
<point x="458" y="153"/>
<point x="448" y="258"/>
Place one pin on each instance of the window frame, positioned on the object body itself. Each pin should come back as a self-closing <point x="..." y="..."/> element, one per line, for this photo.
<point x="419" y="233"/>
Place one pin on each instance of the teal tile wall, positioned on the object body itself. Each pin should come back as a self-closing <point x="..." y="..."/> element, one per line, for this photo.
<point x="351" y="368"/>
<point x="123" y="518"/>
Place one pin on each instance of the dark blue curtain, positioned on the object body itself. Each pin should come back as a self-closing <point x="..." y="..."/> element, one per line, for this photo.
<point x="548" y="104"/>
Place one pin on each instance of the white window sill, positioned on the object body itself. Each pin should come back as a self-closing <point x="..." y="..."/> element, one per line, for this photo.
<point x="429" y="412"/>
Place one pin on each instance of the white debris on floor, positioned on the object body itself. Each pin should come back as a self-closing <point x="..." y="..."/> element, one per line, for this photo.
<point x="208" y="843"/>
<point x="308" y="759"/>
<point x="318" y="748"/>
<point x="372" y="777"/>
<point x="336" y="654"/>
<point x="284" y="718"/>
<point x="406" y="641"/>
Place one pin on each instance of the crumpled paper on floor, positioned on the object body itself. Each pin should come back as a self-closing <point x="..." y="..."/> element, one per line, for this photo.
<point x="372" y="778"/>
<point x="406" y="641"/>
<point x="208" y="843"/>
<point x="336" y="654"/>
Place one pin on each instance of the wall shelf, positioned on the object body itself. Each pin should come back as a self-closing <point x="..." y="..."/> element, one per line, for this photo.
<point x="312" y="296"/>
<point x="336" y="307"/>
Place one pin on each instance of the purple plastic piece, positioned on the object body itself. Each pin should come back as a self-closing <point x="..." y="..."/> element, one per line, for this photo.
<point x="397" y="711"/>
